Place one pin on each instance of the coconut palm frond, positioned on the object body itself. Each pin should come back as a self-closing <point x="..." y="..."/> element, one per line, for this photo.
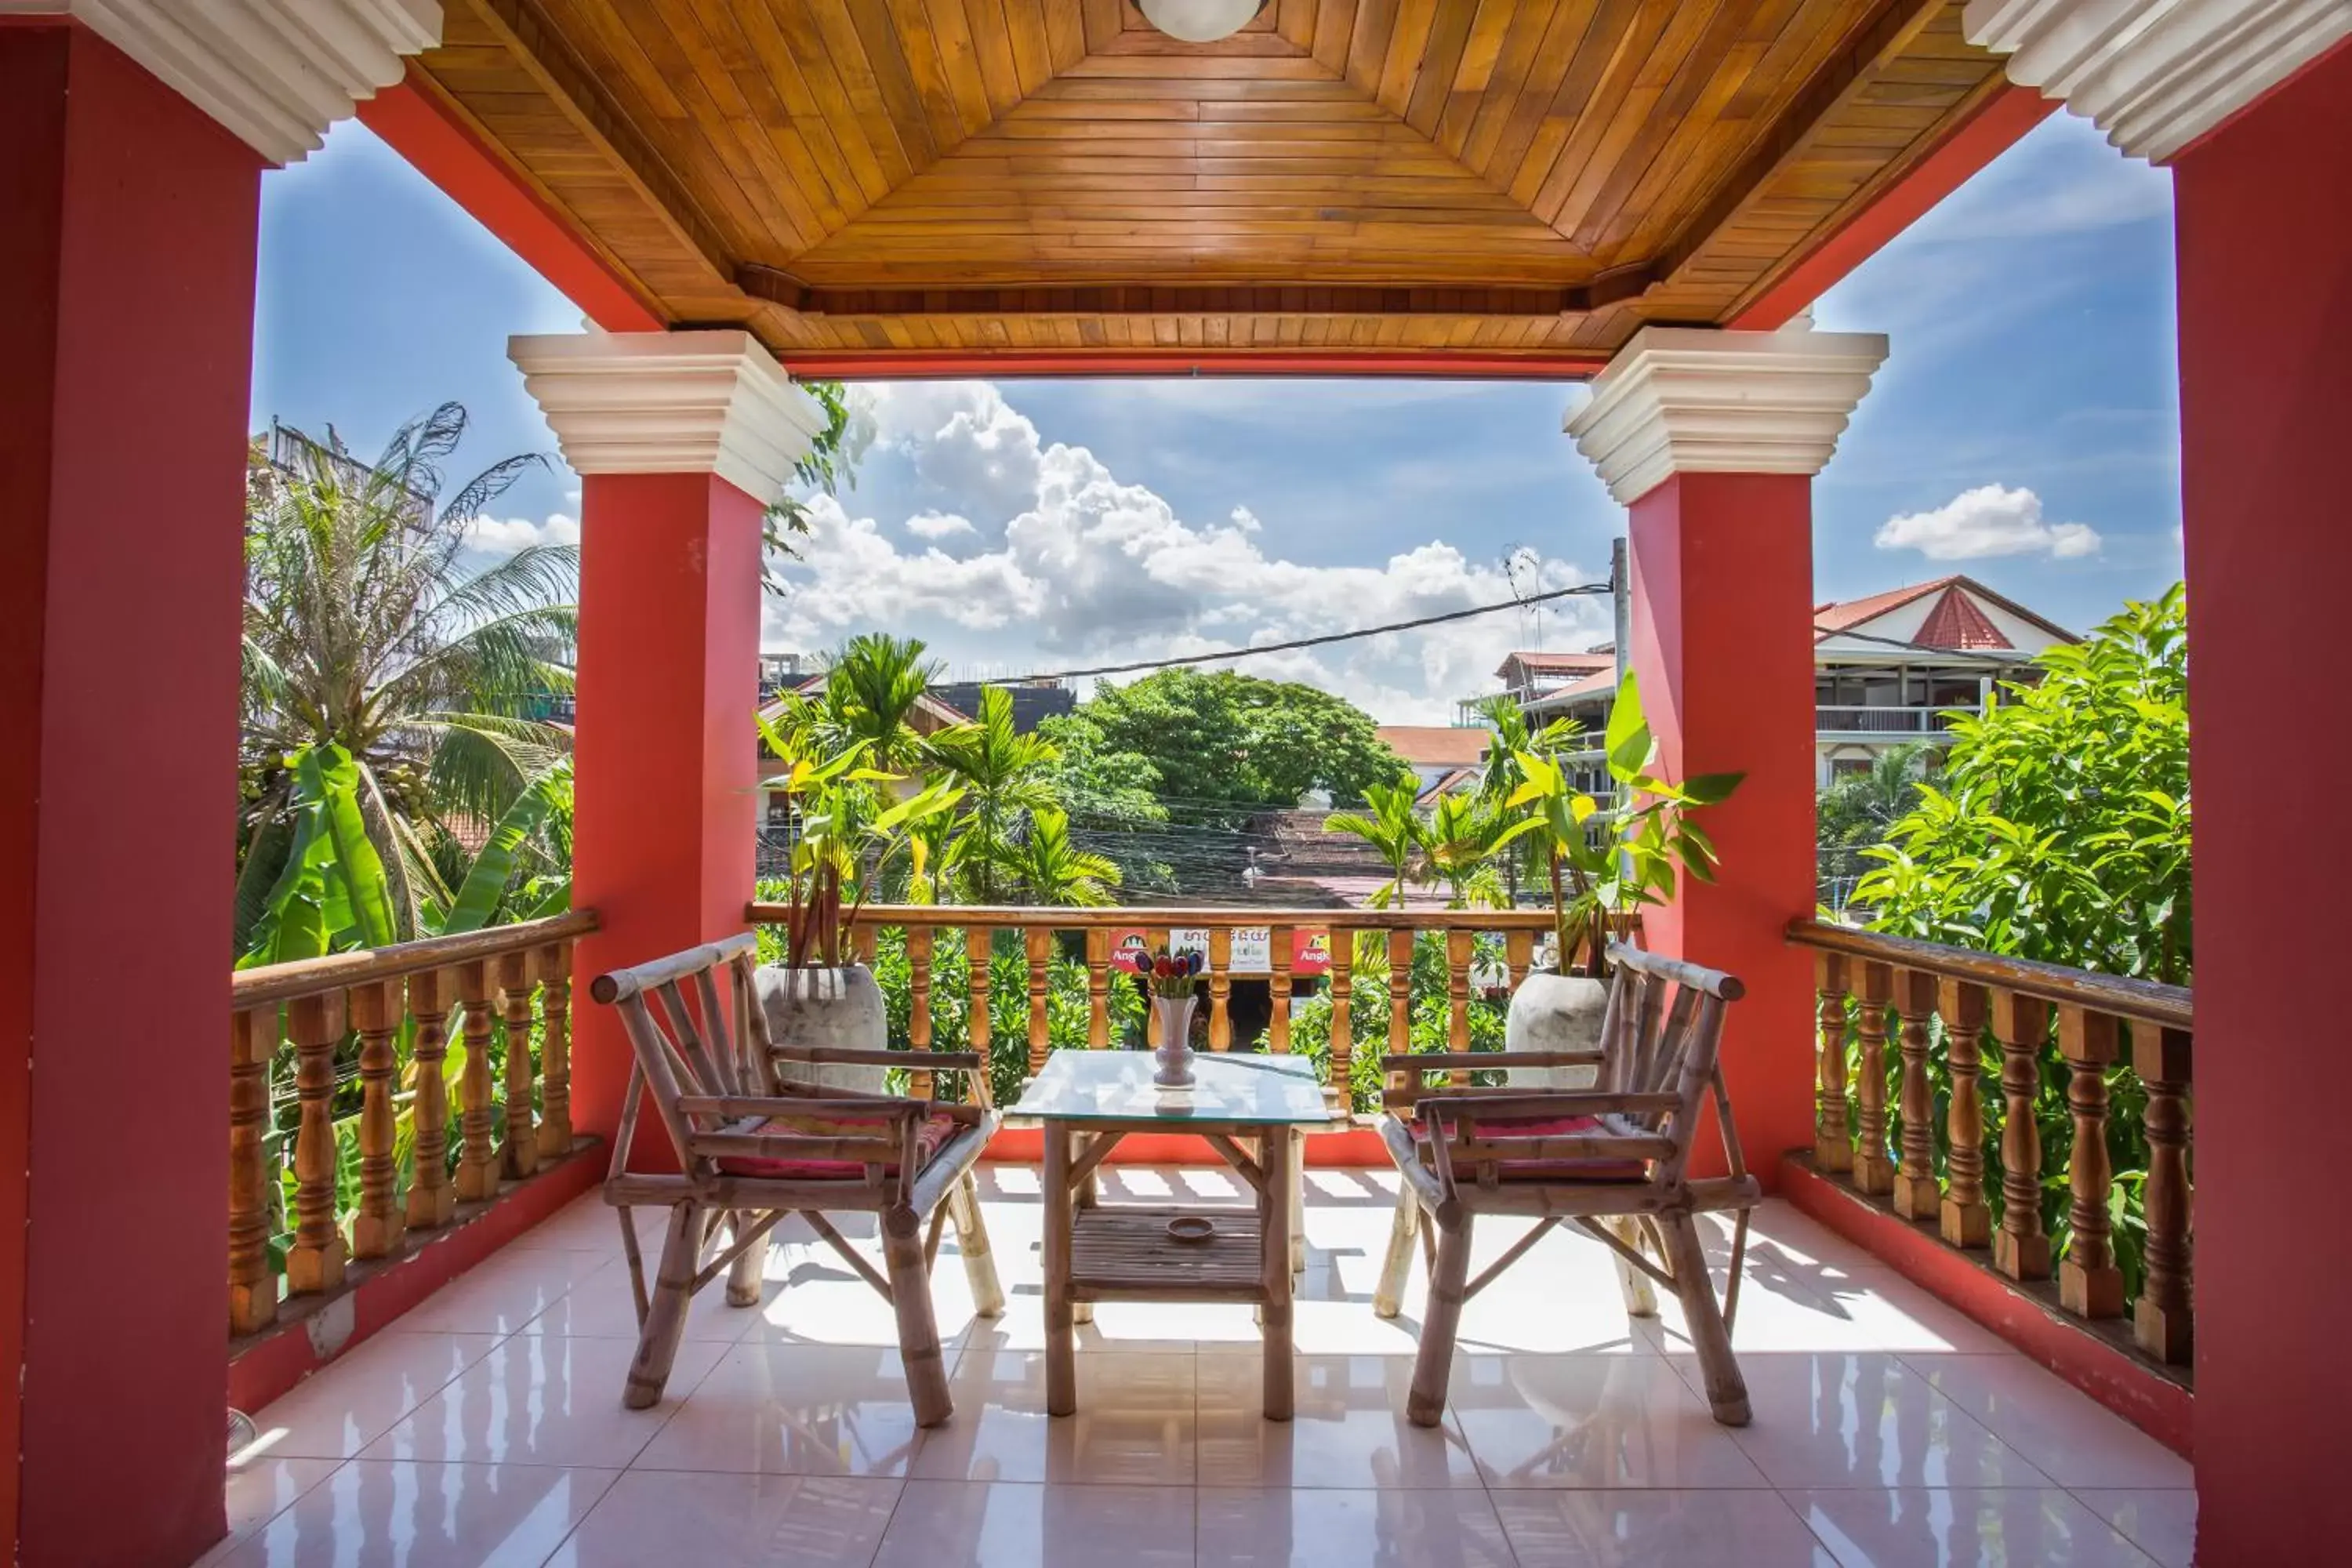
<point x="489" y="486"/>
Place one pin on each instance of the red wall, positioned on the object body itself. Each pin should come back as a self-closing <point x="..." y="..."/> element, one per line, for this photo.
<point x="126" y="225"/>
<point x="2266" y="278"/>
<point x="1723" y="593"/>
<point x="668" y="759"/>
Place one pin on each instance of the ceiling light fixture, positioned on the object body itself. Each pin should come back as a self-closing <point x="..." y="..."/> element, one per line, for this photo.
<point x="1200" y="21"/>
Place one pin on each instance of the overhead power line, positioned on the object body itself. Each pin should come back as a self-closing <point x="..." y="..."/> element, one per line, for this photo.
<point x="1588" y="589"/>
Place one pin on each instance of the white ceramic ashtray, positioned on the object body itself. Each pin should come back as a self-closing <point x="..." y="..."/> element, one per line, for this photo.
<point x="1191" y="1227"/>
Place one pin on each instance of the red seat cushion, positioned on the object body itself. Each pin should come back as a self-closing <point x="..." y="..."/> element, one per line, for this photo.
<point x="937" y="1128"/>
<point x="1501" y="1129"/>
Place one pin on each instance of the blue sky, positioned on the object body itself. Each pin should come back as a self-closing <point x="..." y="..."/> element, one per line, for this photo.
<point x="2024" y="430"/>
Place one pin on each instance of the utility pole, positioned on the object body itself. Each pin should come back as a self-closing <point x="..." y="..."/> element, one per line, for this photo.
<point x="1621" y="600"/>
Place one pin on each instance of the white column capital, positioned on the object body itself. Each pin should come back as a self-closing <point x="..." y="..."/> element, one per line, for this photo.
<point x="2155" y="75"/>
<point x="671" y="403"/>
<point x="1691" y="400"/>
<point x="276" y="72"/>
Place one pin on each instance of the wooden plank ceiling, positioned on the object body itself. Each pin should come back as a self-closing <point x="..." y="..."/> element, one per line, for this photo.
<point x="880" y="180"/>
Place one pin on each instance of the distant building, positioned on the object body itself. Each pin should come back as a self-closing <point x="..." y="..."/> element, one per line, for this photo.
<point x="1443" y="756"/>
<point x="1887" y="669"/>
<point x="1033" y="701"/>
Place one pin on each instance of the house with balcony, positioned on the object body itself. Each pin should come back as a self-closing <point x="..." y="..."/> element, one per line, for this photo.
<point x="1890" y="670"/>
<point x="391" y="1263"/>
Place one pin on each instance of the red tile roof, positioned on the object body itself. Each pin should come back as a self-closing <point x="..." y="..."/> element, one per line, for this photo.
<point x="1829" y="620"/>
<point x="1955" y="622"/>
<point x="1559" y="663"/>
<point x="1436" y="745"/>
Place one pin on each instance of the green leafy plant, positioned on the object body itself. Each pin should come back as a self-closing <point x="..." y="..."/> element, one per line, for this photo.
<point x="1392" y="825"/>
<point x="1607" y="864"/>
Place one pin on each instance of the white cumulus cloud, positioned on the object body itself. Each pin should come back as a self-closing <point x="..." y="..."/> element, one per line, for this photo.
<point x="1990" y="520"/>
<point x="504" y="536"/>
<point x="1062" y="564"/>
<point x="939" y="524"/>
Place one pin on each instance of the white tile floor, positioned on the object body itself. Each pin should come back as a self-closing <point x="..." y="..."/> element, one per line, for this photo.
<point x="487" y="1427"/>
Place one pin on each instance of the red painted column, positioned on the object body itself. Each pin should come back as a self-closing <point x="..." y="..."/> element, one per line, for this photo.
<point x="682" y="439"/>
<point x="1722" y="584"/>
<point x="2264" y="236"/>
<point x="127" y="236"/>
<point x="666" y="758"/>
<point x="1711" y="440"/>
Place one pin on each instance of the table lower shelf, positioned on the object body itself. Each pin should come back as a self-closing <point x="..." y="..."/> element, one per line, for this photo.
<point x="1124" y="1252"/>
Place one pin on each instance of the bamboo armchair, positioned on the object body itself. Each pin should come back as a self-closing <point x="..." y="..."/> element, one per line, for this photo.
<point x="1613" y="1158"/>
<point x="753" y="1145"/>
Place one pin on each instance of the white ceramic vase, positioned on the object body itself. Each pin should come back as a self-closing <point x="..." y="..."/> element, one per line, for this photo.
<point x="1172" y="1057"/>
<point x="1555" y="1012"/>
<point x="835" y="1009"/>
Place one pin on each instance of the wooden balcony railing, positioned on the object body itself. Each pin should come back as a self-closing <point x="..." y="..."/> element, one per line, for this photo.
<point x="332" y="1039"/>
<point x="1386" y="936"/>
<point x="1888" y="720"/>
<point x="1981" y="1179"/>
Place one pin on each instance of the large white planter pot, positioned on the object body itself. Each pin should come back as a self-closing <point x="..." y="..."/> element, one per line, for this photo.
<point x="838" y="1009"/>
<point x="1552" y="1011"/>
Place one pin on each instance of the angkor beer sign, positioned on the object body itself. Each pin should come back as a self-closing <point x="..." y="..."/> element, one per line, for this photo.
<point x="1253" y="949"/>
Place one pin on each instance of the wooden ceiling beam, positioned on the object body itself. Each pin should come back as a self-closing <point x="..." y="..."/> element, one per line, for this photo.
<point x="575" y="93"/>
<point x="1880" y="39"/>
<point x="778" y="287"/>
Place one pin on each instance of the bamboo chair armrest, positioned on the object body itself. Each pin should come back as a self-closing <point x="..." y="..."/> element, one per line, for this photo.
<point x="1518" y="1103"/>
<point x="734" y="1107"/>
<point x="1492" y="1061"/>
<point x="845" y="1056"/>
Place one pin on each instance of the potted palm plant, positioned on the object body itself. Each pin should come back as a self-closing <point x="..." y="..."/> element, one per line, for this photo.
<point x="1603" y="865"/>
<point x="850" y="827"/>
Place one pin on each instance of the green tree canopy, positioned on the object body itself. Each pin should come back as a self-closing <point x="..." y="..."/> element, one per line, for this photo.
<point x="2059" y="826"/>
<point x="1235" y="739"/>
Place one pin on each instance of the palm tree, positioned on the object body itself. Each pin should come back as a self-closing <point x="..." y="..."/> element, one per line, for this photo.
<point x="1055" y="873"/>
<point x="1003" y="774"/>
<point x="872" y="684"/>
<point x="1461" y="840"/>
<point x="1500" y="775"/>
<point x="1393" y="828"/>
<point x="1858" y="810"/>
<point x="366" y="629"/>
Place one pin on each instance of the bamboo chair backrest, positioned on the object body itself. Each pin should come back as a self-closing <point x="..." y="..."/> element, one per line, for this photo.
<point x="708" y="1070"/>
<point x="1662" y="1034"/>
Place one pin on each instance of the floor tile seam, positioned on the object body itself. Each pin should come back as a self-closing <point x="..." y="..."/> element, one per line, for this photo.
<point x="334" y="1469"/>
<point x="497" y="1343"/>
<point x="586" y="1514"/>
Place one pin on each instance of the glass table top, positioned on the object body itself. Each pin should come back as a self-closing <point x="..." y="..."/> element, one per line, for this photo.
<point x="1116" y="1086"/>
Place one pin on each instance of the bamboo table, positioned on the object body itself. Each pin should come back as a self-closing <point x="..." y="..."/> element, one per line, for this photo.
<point x="1123" y="1252"/>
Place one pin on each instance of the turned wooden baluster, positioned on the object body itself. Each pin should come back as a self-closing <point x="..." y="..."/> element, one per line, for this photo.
<point x="431" y="1199"/>
<point x="1967" y="1218"/>
<point x="1519" y="956"/>
<point x="478" y="1159"/>
<point x="2020" y="1249"/>
<point x="1916" y="1193"/>
<point x="1832" y="1137"/>
<point x="1400" y="944"/>
<point x="1220" y="989"/>
<point x="2089" y="1283"/>
<point x="2163" y="1322"/>
<point x="252" y="1286"/>
<point x="375" y="1011"/>
<point x="1459" y="948"/>
<point x="315" y="1261"/>
<point x="976" y="956"/>
<point x="1153" y="941"/>
<point x="554" y="964"/>
<point x="1098" y="988"/>
<point x="1343" y="1023"/>
<point x="920" y="1082"/>
<point x="519" y="1156"/>
<point x="864" y="940"/>
<point x="1039" y="946"/>
<point x="1278" y="958"/>
<point x="1872" y="1171"/>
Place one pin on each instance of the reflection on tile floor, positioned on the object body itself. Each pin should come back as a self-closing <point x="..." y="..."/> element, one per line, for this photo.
<point x="487" y="1427"/>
